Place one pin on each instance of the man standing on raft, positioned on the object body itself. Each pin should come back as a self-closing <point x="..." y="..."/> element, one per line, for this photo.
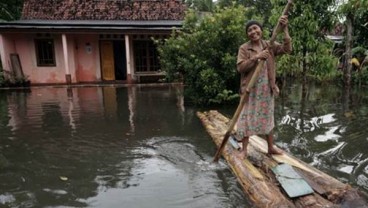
<point x="257" y="115"/>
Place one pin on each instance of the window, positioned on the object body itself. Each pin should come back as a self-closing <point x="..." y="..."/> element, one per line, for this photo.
<point x="146" y="56"/>
<point x="45" y="52"/>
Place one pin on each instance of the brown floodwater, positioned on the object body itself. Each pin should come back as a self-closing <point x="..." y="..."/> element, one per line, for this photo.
<point x="140" y="146"/>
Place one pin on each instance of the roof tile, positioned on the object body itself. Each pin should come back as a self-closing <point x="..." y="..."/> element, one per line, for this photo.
<point x="103" y="10"/>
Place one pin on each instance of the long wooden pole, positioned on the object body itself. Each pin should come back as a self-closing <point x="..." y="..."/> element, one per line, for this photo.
<point x="245" y="96"/>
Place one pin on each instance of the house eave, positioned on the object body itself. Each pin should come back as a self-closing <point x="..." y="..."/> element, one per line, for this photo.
<point x="89" y="25"/>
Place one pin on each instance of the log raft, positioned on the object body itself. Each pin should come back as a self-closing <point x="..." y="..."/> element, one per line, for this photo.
<point x="260" y="184"/>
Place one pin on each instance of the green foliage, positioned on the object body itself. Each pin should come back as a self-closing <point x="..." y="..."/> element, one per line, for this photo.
<point x="312" y="52"/>
<point x="361" y="77"/>
<point x="204" y="55"/>
<point x="8" y="79"/>
<point x="255" y="8"/>
<point x="355" y="14"/>
<point x="360" y="52"/>
<point x="322" y="65"/>
<point x="200" y="5"/>
<point x="225" y="96"/>
<point x="10" y="9"/>
<point x="360" y="26"/>
<point x="356" y="8"/>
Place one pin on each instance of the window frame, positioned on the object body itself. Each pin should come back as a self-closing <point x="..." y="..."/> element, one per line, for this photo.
<point x="42" y="61"/>
<point x="146" y="56"/>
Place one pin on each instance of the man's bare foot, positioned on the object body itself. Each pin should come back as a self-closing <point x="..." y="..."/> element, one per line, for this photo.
<point x="242" y="154"/>
<point x="275" y="151"/>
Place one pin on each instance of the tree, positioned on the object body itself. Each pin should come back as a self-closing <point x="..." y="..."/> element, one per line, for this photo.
<point x="309" y="22"/>
<point x="355" y="13"/>
<point x="10" y="9"/>
<point x="200" y="5"/>
<point x="204" y="54"/>
<point x="259" y="8"/>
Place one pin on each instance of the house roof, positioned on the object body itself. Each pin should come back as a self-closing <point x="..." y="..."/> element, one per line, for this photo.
<point x="103" y="9"/>
<point x="88" y="25"/>
<point x="97" y="15"/>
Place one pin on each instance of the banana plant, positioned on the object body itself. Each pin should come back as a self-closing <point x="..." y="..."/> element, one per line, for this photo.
<point x="362" y="56"/>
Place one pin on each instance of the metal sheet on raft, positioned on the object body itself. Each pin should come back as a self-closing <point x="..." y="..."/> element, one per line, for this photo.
<point x="234" y="142"/>
<point x="292" y="183"/>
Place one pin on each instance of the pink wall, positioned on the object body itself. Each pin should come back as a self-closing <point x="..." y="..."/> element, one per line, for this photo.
<point x="84" y="64"/>
<point x="87" y="58"/>
<point x="75" y="101"/>
<point x="25" y="47"/>
<point x="2" y="55"/>
<point x="7" y="49"/>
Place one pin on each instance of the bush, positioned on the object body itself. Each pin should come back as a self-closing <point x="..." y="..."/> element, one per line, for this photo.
<point x="203" y="55"/>
<point x="8" y="79"/>
<point x="361" y="77"/>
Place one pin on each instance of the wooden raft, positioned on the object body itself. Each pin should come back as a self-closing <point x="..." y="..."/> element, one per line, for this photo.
<point x="260" y="184"/>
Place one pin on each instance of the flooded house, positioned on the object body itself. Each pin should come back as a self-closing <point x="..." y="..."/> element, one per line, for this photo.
<point x="71" y="42"/>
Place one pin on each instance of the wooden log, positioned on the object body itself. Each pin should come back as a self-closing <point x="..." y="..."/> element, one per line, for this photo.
<point x="251" y="179"/>
<point x="259" y="183"/>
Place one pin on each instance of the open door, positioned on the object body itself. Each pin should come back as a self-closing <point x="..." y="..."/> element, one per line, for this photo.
<point x="107" y="60"/>
<point x="120" y="60"/>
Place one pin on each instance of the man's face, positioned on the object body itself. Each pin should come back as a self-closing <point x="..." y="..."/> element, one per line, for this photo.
<point x="254" y="32"/>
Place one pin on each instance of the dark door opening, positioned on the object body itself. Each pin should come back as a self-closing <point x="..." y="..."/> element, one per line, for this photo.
<point x="120" y="60"/>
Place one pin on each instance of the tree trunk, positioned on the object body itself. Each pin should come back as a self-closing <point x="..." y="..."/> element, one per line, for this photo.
<point x="304" y="66"/>
<point x="348" y="53"/>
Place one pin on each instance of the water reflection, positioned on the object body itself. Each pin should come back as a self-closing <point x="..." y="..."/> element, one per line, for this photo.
<point x="108" y="147"/>
<point x="325" y="126"/>
<point x="167" y="164"/>
<point x="141" y="147"/>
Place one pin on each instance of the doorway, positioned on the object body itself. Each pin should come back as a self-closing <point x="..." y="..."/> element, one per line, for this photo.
<point x="113" y="60"/>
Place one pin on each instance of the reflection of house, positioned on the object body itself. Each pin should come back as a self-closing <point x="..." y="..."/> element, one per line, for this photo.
<point x="70" y="41"/>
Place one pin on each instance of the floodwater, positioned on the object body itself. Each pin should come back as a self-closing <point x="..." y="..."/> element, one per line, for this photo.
<point x="140" y="146"/>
